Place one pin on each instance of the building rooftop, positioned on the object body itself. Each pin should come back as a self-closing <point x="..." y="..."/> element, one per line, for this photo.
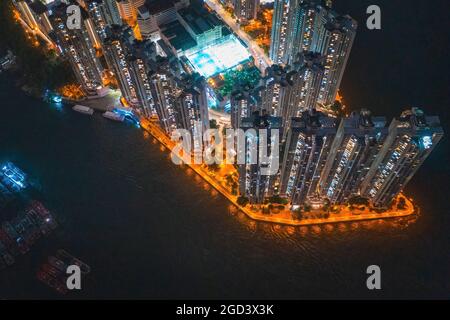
<point x="143" y="11"/>
<point x="341" y="23"/>
<point x="158" y="6"/>
<point x="257" y="120"/>
<point x="199" y="19"/>
<point x="314" y="121"/>
<point x="38" y="7"/>
<point x="416" y="119"/>
<point x="363" y="120"/>
<point x="217" y="58"/>
<point x="177" y="35"/>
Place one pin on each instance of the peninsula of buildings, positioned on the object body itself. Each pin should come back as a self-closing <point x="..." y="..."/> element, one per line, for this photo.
<point x="175" y="63"/>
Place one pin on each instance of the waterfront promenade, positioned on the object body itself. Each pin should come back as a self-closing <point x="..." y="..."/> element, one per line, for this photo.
<point x="283" y="217"/>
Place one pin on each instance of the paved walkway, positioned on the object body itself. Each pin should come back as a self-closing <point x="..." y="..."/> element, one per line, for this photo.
<point x="160" y="135"/>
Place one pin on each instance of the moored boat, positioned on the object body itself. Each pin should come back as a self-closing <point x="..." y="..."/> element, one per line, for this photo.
<point x="114" y="116"/>
<point x="69" y="260"/>
<point x="83" y="109"/>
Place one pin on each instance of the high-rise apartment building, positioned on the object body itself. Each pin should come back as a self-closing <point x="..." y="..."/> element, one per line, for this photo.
<point x="305" y="25"/>
<point x="303" y="87"/>
<point x="28" y="15"/>
<point x="78" y="47"/>
<point x="410" y="140"/>
<point x="142" y="53"/>
<point x="360" y="157"/>
<point x="112" y="12"/>
<point x="335" y="45"/>
<point x="272" y="90"/>
<point x="116" y="53"/>
<point x="244" y="102"/>
<point x="96" y="22"/>
<point x="358" y="141"/>
<point x="308" y="144"/>
<point x="147" y="23"/>
<point x="191" y="104"/>
<point x="97" y="13"/>
<point x="255" y="182"/>
<point x="35" y="14"/>
<point x="163" y="83"/>
<point x="278" y="38"/>
<point x="137" y="4"/>
<point x="246" y="9"/>
<point x="127" y="10"/>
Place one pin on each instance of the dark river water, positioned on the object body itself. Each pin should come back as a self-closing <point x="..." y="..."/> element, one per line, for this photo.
<point x="150" y="229"/>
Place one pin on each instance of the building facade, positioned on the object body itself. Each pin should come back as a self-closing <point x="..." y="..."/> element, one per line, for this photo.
<point x="257" y="178"/>
<point x="335" y="45"/>
<point x="358" y="141"/>
<point x="308" y="144"/>
<point x="302" y="91"/>
<point x="140" y="58"/>
<point x="410" y="140"/>
<point x="116" y="55"/>
<point x="98" y="27"/>
<point x="191" y="105"/>
<point x="243" y="102"/>
<point x="127" y="10"/>
<point x="147" y="23"/>
<point x="163" y="86"/>
<point x="272" y="90"/>
<point x="112" y="14"/>
<point x="246" y="9"/>
<point x="278" y="38"/>
<point x="77" y="46"/>
<point x="306" y="25"/>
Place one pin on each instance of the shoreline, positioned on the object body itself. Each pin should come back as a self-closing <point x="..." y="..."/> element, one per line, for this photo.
<point x="101" y="104"/>
<point x="410" y="208"/>
<point x="155" y="131"/>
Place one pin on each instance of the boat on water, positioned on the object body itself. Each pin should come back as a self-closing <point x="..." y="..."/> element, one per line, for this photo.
<point x="52" y="282"/>
<point x="114" y="116"/>
<point x="128" y="114"/>
<point x="51" y="270"/>
<point x="52" y="97"/>
<point x="31" y="220"/>
<point x="12" y="177"/>
<point x="83" y="109"/>
<point x="68" y="259"/>
<point x="46" y="221"/>
<point x="58" y="264"/>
